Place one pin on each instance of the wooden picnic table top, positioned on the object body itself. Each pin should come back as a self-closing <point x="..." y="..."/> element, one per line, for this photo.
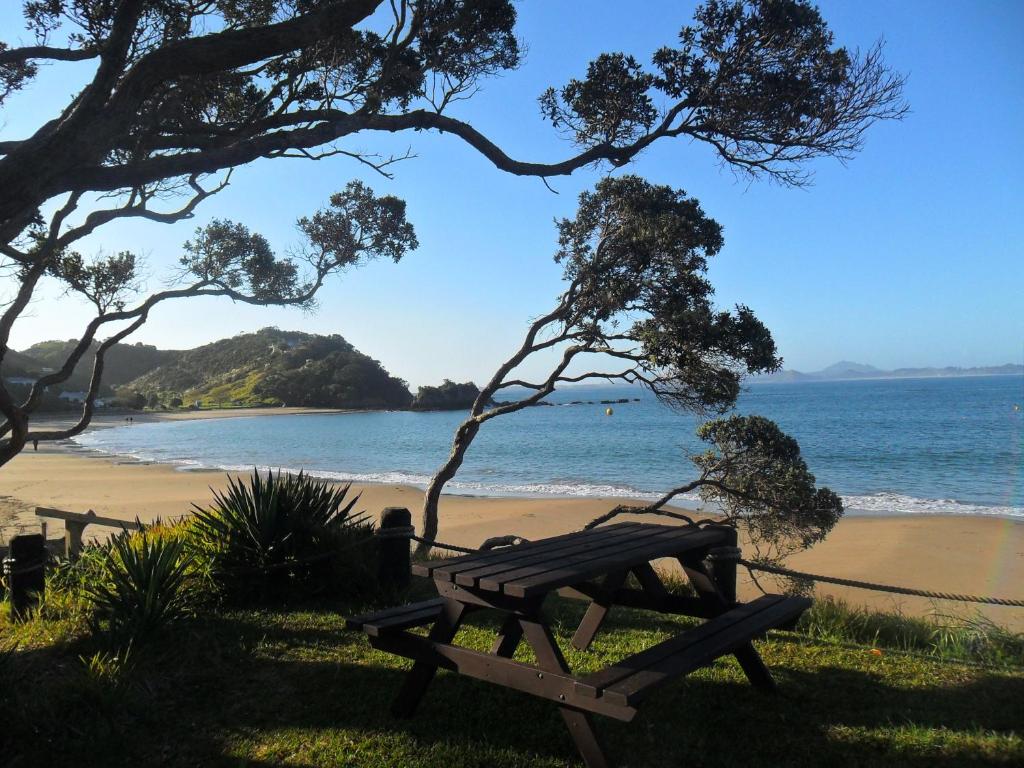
<point x="535" y="568"/>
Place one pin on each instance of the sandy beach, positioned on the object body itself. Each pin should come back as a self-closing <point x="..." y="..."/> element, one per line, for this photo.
<point x="958" y="554"/>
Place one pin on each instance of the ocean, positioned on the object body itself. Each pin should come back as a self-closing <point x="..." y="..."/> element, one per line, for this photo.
<point x="889" y="447"/>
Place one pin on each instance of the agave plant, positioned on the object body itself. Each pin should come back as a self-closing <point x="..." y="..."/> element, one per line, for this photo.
<point x="275" y="526"/>
<point x="141" y="586"/>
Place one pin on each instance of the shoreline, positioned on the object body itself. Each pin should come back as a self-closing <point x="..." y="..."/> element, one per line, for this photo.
<point x="947" y="553"/>
<point x="109" y="420"/>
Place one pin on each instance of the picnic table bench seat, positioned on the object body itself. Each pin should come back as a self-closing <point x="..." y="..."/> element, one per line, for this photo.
<point x="629" y="681"/>
<point x="408" y="616"/>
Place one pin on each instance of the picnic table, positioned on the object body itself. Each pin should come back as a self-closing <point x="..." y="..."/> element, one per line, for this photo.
<point x="594" y="565"/>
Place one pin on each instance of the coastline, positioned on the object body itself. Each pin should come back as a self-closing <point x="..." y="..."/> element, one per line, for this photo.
<point x="961" y="554"/>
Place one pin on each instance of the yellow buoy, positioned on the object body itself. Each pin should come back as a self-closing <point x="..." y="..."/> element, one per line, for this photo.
<point x="608" y="411"/>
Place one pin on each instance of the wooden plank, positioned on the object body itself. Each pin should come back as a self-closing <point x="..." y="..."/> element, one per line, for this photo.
<point x="682" y="605"/>
<point x="734" y="634"/>
<point x="670" y="544"/>
<point x="446" y="569"/>
<point x="417" y="679"/>
<point x="356" y="622"/>
<point x="86" y="518"/>
<point x="594" y="684"/>
<point x="547" y="684"/>
<point x="583" y="552"/>
<point x="418" y="618"/>
<point x="598" y="610"/>
<point x="551" y="558"/>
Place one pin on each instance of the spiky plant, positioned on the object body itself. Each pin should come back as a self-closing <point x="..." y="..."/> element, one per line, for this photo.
<point x="275" y="527"/>
<point x="141" y="586"/>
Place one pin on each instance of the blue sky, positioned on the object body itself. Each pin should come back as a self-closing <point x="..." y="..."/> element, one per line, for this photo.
<point x="909" y="256"/>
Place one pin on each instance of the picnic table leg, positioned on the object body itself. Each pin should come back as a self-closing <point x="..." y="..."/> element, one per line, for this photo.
<point x="748" y="657"/>
<point x="508" y="638"/>
<point x="418" y="678"/>
<point x="598" y="610"/>
<point x="579" y="723"/>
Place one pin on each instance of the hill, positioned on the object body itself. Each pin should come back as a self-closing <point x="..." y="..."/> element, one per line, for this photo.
<point x="122" y="363"/>
<point x="274" y="367"/>
<point x="447" y="397"/>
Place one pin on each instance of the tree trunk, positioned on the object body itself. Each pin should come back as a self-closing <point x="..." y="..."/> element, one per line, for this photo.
<point x="460" y="444"/>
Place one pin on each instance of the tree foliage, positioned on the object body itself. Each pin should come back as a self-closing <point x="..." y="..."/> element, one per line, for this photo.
<point x="638" y="308"/>
<point x="449" y="396"/>
<point x="183" y="91"/>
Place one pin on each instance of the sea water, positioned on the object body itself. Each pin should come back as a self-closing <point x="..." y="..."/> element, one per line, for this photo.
<point x="897" y="446"/>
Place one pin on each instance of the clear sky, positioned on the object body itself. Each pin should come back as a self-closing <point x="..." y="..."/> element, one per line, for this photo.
<point x="909" y="256"/>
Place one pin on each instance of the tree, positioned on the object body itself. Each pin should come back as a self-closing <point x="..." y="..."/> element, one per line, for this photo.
<point x="185" y="89"/>
<point x="638" y="308"/>
<point x="223" y="259"/>
<point x="754" y="474"/>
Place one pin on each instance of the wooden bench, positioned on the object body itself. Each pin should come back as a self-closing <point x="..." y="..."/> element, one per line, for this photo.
<point x="75" y="523"/>
<point x="396" y="619"/>
<point x="630" y="681"/>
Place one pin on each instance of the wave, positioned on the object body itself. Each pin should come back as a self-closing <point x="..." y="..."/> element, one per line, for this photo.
<point x="876" y="504"/>
<point x="469" y="488"/>
<point x="901" y="504"/>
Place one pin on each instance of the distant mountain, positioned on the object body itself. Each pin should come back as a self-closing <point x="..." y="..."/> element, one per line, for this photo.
<point x="844" y="370"/>
<point x="273" y="367"/>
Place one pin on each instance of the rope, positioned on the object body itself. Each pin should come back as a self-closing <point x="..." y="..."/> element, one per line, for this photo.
<point x="880" y="587"/>
<point x="440" y="545"/>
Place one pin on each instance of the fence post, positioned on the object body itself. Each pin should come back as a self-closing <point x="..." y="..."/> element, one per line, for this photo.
<point x="722" y="561"/>
<point x="25" y="568"/>
<point x="73" y="531"/>
<point x="393" y="544"/>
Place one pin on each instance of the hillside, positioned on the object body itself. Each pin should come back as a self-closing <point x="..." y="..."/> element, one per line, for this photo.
<point x="447" y="397"/>
<point x="274" y="367"/>
<point x="122" y="363"/>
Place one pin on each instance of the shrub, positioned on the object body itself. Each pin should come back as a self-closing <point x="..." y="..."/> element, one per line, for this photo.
<point x="277" y="529"/>
<point x="141" y="585"/>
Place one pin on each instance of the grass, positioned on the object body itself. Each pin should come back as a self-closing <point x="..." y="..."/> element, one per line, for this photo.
<point x="973" y="638"/>
<point x="289" y="686"/>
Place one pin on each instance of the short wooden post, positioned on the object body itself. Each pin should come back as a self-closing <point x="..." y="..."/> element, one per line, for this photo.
<point x="722" y="562"/>
<point x="25" y="569"/>
<point x="393" y="540"/>
<point x="73" y="530"/>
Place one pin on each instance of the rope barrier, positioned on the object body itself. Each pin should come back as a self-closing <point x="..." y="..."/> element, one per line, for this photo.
<point x="777" y="570"/>
<point x="440" y="545"/>
<point x="750" y="566"/>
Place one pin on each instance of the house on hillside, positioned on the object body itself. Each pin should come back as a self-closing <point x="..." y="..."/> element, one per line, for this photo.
<point x="79" y="397"/>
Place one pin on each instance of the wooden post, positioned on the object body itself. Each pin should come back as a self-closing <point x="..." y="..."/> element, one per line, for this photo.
<point x="25" y="568"/>
<point x="394" y="568"/>
<point x="722" y="564"/>
<point x="73" y="530"/>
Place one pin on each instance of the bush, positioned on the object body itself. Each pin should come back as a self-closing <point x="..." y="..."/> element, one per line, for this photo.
<point x="141" y="585"/>
<point x="278" y="529"/>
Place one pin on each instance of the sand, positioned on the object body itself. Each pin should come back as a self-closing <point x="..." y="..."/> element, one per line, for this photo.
<point x="966" y="555"/>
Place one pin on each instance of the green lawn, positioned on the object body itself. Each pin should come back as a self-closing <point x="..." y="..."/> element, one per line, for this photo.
<point x="293" y="687"/>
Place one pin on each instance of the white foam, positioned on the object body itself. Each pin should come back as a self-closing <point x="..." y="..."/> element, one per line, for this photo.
<point x="901" y="504"/>
<point x="881" y="504"/>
